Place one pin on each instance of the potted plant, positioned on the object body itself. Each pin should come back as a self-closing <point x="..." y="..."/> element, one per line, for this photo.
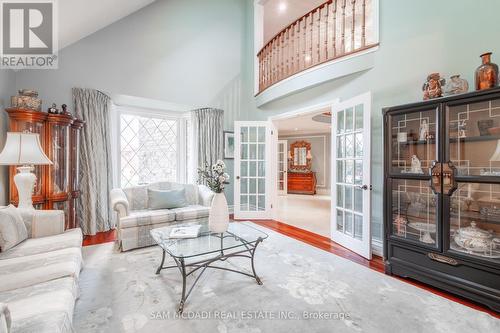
<point x="216" y="179"/>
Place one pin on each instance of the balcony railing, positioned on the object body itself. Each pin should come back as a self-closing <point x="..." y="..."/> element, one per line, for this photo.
<point x="332" y="30"/>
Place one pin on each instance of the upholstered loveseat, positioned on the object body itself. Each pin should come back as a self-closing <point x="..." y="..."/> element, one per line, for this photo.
<point x="39" y="276"/>
<point x="135" y="219"/>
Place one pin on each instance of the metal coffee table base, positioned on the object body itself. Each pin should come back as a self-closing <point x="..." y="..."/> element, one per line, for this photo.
<point x="248" y="252"/>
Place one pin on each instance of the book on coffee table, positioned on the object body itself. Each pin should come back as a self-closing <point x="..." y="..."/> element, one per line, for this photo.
<point x="185" y="232"/>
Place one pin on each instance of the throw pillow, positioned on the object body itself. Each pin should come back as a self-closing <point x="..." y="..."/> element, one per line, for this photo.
<point x="158" y="199"/>
<point x="12" y="228"/>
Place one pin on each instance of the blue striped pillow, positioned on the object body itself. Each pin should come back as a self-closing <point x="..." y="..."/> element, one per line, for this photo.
<point x="166" y="199"/>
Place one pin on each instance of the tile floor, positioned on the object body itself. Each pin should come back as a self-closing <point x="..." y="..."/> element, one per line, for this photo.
<point x="309" y="212"/>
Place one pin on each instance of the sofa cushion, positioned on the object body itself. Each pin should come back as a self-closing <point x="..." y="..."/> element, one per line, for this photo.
<point x="12" y="228"/>
<point x="68" y="239"/>
<point x="30" y="270"/>
<point x="166" y="199"/>
<point x="137" y="196"/>
<point x="68" y="283"/>
<point x="191" y="212"/>
<point x="48" y="312"/>
<point x="147" y="217"/>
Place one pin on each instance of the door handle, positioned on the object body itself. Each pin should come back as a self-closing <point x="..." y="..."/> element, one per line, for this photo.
<point x="363" y="187"/>
<point x="237" y="177"/>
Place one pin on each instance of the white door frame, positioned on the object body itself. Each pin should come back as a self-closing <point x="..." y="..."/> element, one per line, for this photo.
<point x="362" y="247"/>
<point x="271" y="171"/>
<point x="286" y="115"/>
<point x="285" y="171"/>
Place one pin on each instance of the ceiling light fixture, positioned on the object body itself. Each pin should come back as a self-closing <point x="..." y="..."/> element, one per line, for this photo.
<point x="282" y="6"/>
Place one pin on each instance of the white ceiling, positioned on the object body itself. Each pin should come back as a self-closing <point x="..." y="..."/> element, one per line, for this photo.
<point x="280" y="13"/>
<point x="301" y="125"/>
<point x="80" y="18"/>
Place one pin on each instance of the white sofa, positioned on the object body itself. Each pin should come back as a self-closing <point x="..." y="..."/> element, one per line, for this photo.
<point x="39" y="276"/>
<point x="135" y="220"/>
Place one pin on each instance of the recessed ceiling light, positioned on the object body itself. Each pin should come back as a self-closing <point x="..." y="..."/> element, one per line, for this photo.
<point x="282" y="6"/>
<point x="295" y="129"/>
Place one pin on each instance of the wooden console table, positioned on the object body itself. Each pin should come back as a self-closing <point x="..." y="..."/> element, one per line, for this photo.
<point x="302" y="182"/>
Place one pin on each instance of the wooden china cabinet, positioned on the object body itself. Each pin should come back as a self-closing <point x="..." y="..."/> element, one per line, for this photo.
<point x="442" y="194"/>
<point x="57" y="184"/>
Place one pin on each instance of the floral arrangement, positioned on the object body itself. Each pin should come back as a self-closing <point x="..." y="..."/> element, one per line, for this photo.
<point x="215" y="177"/>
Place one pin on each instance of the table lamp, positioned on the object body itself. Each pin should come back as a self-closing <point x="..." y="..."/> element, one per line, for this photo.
<point x="24" y="149"/>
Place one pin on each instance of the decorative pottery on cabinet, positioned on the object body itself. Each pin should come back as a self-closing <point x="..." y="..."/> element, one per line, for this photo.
<point x="456" y="86"/>
<point x="27" y="99"/>
<point x="433" y="86"/>
<point x="487" y="73"/>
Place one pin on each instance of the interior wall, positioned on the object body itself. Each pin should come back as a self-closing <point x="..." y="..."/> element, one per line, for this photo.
<point x="7" y="89"/>
<point x="320" y="151"/>
<point x="180" y="51"/>
<point x="416" y="38"/>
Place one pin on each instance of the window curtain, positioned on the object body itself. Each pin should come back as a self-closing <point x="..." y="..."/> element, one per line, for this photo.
<point x="208" y="128"/>
<point x="94" y="211"/>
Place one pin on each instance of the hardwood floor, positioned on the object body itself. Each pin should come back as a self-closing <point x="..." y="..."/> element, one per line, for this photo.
<point x="100" y="238"/>
<point x="324" y="243"/>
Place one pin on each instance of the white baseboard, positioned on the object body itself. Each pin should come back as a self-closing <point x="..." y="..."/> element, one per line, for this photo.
<point x="322" y="191"/>
<point x="377" y="248"/>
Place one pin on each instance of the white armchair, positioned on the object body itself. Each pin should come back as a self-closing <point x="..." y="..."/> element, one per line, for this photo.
<point x="135" y="220"/>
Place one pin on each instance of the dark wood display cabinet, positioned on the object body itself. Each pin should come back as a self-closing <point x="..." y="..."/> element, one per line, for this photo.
<point x="442" y="194"/>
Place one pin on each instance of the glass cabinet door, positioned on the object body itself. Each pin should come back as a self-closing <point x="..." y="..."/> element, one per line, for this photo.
<point x="413" y="141"/>
<point x="75" y="153"/>
<point x="474" y="207"/>
<point x="60" y="157"/>
<point x="414" y="212"/>
<point x="474" y="138"/>
<point x="475" y="220"/>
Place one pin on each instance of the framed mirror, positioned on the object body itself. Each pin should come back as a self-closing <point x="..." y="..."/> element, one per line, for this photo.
<point x="300" y="156"/>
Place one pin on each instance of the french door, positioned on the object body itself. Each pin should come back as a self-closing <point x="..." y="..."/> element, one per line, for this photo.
<point x="254" y="187"/>
<point x="282" y="167"/>
<point x="351" y="181"/>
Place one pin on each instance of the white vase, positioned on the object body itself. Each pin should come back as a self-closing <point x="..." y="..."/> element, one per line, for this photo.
<point x="218" y="218"/>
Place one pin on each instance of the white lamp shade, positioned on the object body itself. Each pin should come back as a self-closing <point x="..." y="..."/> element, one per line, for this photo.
<point x="23" y="149"/>
<point x="496" y="155"/>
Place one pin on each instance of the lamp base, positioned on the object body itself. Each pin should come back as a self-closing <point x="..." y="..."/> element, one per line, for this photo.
<point x="25" y="182"/>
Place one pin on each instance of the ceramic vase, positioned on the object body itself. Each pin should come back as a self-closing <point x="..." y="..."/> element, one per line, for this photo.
<point x="456" y="85"/>
<point x="433" y="86"/>
<point x="487" y="73"/>
<point x="218" y="218"/>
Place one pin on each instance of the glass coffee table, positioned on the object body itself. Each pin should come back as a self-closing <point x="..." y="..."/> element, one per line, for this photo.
<point x="205" y="251"/>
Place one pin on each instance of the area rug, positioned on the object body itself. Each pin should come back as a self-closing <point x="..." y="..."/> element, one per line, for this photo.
<point x="304" y="289"/>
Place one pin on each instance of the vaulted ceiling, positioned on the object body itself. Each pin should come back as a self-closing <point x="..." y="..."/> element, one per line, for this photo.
<point x="80" y="18"/>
